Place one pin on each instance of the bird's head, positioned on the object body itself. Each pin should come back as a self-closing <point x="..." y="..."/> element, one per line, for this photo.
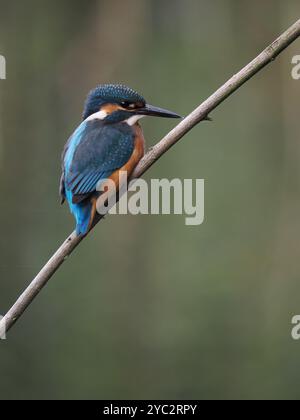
<point x="116" y="103"/>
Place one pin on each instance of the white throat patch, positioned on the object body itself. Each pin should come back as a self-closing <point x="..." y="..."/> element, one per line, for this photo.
<point x="134" y="119"/>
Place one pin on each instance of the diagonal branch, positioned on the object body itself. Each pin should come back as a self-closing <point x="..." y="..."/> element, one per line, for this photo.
<point x="199" y="114"/>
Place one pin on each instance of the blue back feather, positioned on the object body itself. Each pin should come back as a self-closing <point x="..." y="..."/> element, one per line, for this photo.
<point x="93" y="153"/>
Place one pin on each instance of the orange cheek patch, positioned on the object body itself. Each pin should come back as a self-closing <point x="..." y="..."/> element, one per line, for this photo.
<point x="110" y="108"/>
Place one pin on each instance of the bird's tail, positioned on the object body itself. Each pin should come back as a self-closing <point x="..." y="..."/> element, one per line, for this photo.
<point x="83" y="212"/>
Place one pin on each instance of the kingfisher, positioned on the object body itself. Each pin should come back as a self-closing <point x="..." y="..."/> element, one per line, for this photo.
<point x="108" y="140"/>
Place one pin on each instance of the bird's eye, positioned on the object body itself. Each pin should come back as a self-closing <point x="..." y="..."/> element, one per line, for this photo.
<point x="128" y="105"/>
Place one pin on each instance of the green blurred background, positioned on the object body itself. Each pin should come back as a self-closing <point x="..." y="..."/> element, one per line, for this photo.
<point x="147" y="307"/>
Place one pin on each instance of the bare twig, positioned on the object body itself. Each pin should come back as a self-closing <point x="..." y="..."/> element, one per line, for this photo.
<point x="200" y="113"/>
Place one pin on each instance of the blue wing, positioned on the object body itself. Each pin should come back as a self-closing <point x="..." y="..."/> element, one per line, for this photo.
<point x="93" y="152"/>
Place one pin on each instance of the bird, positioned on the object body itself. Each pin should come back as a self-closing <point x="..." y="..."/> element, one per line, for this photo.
<point x="108" y="140"/>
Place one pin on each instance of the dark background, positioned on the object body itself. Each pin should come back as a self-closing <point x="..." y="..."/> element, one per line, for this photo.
<point x="147" y="307"/>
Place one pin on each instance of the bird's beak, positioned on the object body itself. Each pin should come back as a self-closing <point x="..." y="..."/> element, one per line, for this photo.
<point x="156" y="112"/>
